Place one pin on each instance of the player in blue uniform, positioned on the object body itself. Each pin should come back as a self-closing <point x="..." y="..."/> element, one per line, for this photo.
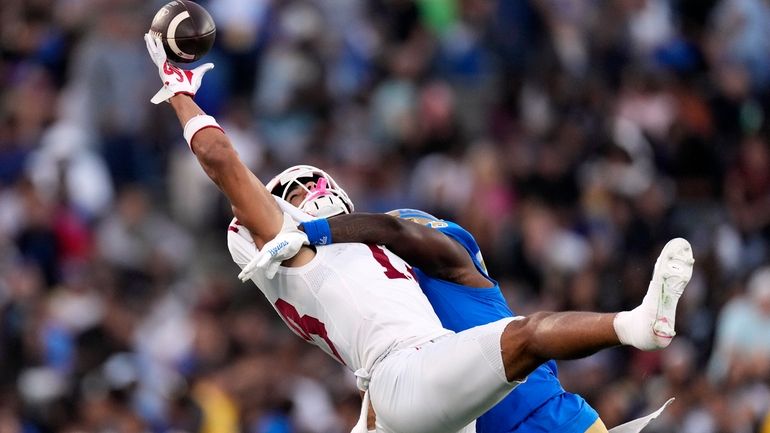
<point x="448" y="265"/>
<point x="464" y="296"/>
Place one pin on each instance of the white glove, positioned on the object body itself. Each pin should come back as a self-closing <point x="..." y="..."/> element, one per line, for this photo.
<point x="175" y="80"/>
<point x="285" y="245"/>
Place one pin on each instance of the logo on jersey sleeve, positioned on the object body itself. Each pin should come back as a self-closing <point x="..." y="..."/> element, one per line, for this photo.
<point x="437" y="224"/>
<point x="483" y="265"/>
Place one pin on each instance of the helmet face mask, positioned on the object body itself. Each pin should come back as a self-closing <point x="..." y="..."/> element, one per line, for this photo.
<point x="322" y="200"/>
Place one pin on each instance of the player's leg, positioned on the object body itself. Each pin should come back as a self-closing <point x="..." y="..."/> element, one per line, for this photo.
<point x="529" y="342"/>
<point x="442" y="386"/>
<point x="567" y="335"/>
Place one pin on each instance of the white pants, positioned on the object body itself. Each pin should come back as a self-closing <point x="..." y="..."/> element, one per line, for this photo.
<point x="442" y="386"/>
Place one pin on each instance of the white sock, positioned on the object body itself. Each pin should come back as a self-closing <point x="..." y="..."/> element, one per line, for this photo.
<point x="634" y="328"/>
<point x="650" y="326"/>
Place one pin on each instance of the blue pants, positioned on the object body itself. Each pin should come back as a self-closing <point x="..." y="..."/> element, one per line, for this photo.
<point x="564" y="413"/>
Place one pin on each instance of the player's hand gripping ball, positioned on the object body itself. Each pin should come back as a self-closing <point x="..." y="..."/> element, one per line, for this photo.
<point x="186" y="29"/>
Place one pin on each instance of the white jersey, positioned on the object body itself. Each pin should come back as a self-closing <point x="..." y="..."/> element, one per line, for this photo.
<point x="356" y="302"/>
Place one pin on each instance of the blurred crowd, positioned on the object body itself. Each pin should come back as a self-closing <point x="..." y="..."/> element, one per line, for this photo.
<point x="572" y="137"/>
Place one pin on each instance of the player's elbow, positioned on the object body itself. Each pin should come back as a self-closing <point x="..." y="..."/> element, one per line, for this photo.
<point x="401" y="230"/>
<point x="413" y="234"/>
<point x="215" y="153"/>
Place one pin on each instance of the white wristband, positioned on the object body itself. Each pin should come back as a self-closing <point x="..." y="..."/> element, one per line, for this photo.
<point x="197" y="123"/>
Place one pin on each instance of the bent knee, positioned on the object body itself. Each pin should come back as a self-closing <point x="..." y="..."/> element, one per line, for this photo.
<point x="517" y="335"/>
<point x="518" y="344"/>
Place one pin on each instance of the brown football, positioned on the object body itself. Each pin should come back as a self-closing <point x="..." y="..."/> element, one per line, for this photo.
<point x="186" y="28"/>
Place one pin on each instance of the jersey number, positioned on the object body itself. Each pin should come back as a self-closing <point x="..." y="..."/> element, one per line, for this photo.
<point x="390" y="271"/>
<point x="305" y="325"/>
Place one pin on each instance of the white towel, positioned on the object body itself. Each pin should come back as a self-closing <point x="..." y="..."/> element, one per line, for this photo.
<point x="637" y="425"/>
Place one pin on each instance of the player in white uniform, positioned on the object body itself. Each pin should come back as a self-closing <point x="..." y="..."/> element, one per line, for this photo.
<point x="362" y="306"/>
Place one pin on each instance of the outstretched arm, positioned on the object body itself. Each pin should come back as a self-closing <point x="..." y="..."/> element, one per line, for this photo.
<point x="430" y="250"/>
<point x="252" y="203"/>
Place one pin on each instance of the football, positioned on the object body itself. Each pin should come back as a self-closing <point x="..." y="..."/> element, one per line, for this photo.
<point x="186" y="29"/>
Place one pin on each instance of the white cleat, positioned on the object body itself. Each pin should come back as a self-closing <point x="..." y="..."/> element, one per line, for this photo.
<point x="650" y="326"/>
<point x="673" y="271"/>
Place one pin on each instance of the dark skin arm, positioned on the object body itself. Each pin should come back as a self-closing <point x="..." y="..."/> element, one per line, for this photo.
<point x="430" y="250"/>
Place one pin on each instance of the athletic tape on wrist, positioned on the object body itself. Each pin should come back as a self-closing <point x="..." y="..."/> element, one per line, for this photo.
<point x="318" y="231"/>
<point x="195" y="124"/>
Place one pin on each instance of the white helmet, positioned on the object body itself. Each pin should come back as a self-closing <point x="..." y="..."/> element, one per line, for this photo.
<point x="325" y="199"/>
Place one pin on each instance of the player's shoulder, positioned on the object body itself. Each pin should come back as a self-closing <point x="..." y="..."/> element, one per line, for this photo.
<point x="236" y="230"/>
<point x="455" y="231"/>
<point x="449" y="228"/>
<point x="240" y="243"/>
<point x="463" y="237"/>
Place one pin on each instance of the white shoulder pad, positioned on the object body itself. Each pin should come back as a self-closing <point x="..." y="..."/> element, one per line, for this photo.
<point x="240" y="243"/>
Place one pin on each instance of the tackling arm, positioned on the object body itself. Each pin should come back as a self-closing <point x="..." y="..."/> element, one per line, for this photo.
<point x="430" y="250"/>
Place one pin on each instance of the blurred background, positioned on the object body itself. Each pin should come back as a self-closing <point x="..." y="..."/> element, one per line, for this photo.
<point x="572" y="137"/>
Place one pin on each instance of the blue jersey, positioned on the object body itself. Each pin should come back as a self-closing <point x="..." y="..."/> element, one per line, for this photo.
<point x="538" y="405"/>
